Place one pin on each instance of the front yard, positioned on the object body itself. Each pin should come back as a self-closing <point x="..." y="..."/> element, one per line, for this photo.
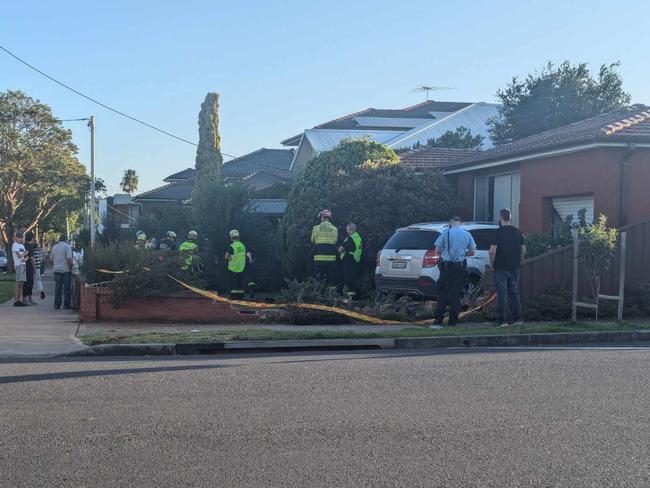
<point x="7" y="284"/>
<point x="267" y="333"/>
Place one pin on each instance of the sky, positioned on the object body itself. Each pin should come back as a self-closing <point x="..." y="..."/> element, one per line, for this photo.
<point x="282" y="67"/>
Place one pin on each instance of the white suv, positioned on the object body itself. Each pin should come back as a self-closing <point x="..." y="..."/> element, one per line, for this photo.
<point x="408" y="261"/>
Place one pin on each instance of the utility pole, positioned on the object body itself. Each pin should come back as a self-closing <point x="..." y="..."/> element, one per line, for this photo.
<point x="93" y="228"/>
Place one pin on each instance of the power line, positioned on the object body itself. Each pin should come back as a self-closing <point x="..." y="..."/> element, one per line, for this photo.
<point x="67" y="87"/>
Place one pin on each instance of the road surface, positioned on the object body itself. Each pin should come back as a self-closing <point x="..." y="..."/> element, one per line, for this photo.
<point x="567" y="417"/>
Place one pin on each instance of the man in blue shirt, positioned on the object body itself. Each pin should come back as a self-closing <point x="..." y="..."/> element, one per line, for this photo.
<point x="453" y="246"/>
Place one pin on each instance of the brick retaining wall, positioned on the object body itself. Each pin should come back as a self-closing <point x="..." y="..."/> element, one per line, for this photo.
<point x="174" y="307"/>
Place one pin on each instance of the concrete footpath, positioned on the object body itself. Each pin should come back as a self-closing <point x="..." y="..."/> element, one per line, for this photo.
<point x="39" y="330"/>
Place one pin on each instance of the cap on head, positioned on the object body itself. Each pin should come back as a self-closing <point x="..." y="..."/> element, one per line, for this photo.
<point x="325" y="214"/>
<point x="455" y="218"/>
<point x="193" y="235"/>
<point x="233" y="233"/>
<point x="19" y="235"/>
<point x="171" y="234"/>
<point x="141" y="237"/>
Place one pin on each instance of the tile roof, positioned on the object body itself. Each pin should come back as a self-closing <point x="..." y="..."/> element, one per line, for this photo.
<point x="186" y="174"/>
<point x="628" y="124"/>
<point x="433" y="157"/>
<point x="171" y="191"/>
<point x="278" y="160"/>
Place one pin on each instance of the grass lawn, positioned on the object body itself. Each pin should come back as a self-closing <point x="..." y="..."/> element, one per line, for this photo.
<point x="267" y="334"/>
<point x="7" y="284"/>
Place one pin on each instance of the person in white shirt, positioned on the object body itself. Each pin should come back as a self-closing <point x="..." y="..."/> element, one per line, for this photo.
<point x="19" y="255"/>
<point x="61" y="255"/>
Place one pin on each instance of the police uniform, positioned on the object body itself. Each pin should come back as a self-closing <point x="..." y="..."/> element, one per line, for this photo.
<point x="325" y="236"/>
<point x="453" y="245"/>
<point x="350" y="259"/>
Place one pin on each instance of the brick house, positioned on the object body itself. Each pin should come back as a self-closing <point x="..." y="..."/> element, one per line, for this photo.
<point x="601" y="164"/>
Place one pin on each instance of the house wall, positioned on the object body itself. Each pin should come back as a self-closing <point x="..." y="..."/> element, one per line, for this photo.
<point x="594" y="172"/>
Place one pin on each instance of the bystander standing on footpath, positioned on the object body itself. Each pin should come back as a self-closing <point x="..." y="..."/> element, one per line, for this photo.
<point x="62" y="268"/>
<point x="19" y="255"/>
<point x="506" y="253"/>
<point x="39" y="262"/>
<point x="77" y="263"/>
<point x="28" y="287"/>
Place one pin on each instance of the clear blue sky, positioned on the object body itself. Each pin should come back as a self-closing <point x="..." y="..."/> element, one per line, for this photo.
<point x="284" y="66"/>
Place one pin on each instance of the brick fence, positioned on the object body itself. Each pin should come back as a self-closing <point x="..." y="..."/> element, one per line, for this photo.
<point x="174" y="307"/>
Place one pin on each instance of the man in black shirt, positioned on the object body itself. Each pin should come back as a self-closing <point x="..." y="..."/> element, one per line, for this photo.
<point x="506" y="253"/>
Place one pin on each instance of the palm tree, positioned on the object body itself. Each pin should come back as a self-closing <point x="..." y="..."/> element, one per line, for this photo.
<point x="129" y="181"/>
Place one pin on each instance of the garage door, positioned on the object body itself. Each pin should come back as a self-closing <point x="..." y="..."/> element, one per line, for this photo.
<point x="572" y="205"/>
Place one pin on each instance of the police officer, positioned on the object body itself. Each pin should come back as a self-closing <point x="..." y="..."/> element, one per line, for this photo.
<point x="453" y="246"/>
<point x="189" y="250"/>
<point x="350" y="251"/>
<point x="325" y="236"/>
<point x="238" y="260"/>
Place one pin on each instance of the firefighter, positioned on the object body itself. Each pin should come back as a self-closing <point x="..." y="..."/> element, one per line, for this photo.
<point x="189" y="250"/>
<point x="325" y="236"/>
<point x="169" y="242"/>
<point x="350" y="252"/>
<point x="239" y="260"/>
<point x="141" y="242"/>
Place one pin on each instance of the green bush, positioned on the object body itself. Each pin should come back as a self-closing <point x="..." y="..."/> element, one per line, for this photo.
<point x="149" y="276"/>
<point x="117" y="256"/>
<point x="220" y="207"/>
<point x="362" y="182"/>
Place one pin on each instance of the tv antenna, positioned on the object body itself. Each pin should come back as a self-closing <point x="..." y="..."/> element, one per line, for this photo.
<point x="427" y="88"/>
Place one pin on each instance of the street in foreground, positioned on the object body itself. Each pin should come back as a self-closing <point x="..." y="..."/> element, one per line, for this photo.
<point x="499" y="418"/>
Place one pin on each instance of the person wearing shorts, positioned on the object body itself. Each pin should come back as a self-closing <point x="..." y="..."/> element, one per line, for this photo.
<point x="19" y="255"/>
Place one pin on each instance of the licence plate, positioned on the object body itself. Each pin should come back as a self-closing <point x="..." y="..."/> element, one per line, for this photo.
<point x="398" y="265"/>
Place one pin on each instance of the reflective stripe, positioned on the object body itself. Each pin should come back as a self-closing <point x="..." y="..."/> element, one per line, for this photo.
<point x="324" y="257"/>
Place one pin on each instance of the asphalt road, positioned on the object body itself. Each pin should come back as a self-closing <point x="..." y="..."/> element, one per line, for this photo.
<point x="568" y="417"/>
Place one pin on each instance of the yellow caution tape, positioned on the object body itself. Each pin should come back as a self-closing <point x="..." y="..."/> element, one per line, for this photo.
<point x="307" y="306"/>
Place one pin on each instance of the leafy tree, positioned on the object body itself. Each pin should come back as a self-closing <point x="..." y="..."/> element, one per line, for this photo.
<point x="461" y="138"/>
<point x="361" y="181"/>
<point x="208" y="152"/>
<point x="129" y="182"/>
<point x="556" y="96"/>
<point x="38" y="168"/>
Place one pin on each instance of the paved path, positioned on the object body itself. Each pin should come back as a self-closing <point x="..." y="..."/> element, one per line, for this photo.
<point x="490" y="419"/>
<point x="39" y="330"/>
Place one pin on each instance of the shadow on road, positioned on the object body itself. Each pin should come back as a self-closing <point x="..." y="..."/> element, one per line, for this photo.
<point x="103" y="372"/>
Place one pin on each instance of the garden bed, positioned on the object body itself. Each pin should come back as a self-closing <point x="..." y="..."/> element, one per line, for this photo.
<point x="172" y="307"/>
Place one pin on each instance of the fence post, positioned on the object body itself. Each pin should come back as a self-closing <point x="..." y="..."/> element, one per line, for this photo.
<point x="621" y="276"/>
<point x="574" y="301"/>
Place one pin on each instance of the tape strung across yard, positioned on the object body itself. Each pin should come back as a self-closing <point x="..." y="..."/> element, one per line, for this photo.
<point x="307" y="306"/>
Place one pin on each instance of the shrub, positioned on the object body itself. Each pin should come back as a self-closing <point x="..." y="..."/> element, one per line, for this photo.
<point x="360" y="181"/>
<point x="148" y="276"/>
<point x="597" y="248"/>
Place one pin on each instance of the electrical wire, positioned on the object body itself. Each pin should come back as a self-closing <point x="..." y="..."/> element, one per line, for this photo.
<point x="77" y="92"/>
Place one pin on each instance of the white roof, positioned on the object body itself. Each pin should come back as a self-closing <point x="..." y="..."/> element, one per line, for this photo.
<point x="441" y="226"/>
<point x="391" y="122"/>
<point x="326" y="139"/>
<point x="474" y="117"/>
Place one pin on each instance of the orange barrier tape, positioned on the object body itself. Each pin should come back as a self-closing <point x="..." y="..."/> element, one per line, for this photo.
<point x="308" y="306"/>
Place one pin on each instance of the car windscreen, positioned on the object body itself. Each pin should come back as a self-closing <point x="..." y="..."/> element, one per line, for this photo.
<point x="412" y="239"/>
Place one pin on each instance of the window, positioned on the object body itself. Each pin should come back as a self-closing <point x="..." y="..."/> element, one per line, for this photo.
<point x="412" y="239"/>
<point x="492" y="193"/>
